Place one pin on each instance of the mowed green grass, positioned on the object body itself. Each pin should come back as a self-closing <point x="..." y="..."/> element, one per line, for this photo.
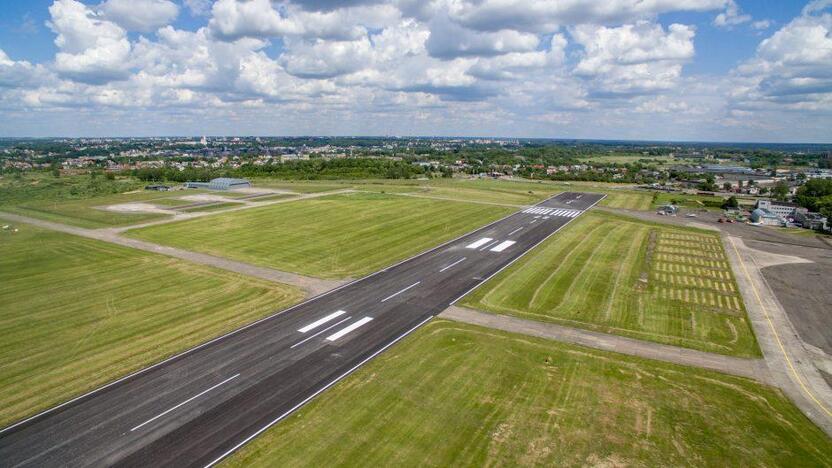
<point x="78" y="313"/>
<point x="87" y="212"/>
<point x="458" y="395"/>
<point x="619" y="275"/>
<point x="336" y="236"/>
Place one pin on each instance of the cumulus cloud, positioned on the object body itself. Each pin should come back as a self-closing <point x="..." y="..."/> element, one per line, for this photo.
<point x="91" y="48"/>
<point x="541" y="15"/>
<point x="140" y="15"/>
<point x="449" y="40"/>
<point x="634" y="58"/>
<point x="793" y="67"/>
<point x="732" y="16"/>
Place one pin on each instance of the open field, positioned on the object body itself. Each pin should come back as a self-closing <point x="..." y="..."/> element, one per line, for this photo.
<point x="78" y="313"/>
<point x="330" y="237"/>
<point x="459" y="395"/>
<point x="624" y="276"/>
<point x="211" y="207"/>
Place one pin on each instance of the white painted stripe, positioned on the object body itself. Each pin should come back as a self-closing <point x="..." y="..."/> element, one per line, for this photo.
<point x="557" y="212"/>
<point x="516" y="230"/>
<point x="545" y="217"/>
<point x="533" y="221"/>
<point x="547" y="211"/>
<point x="403" y="290"/>
<point x="185" y="402"/>
<point x="318" y="392"/>
<point x="319" y="333"/>
<point x="579" y="196"/>
<point x="452" y="264"/>
<point x="537" y="217"/>
<point x="503" y="245"/>
<point x="348" y="329"/>
<point x="318" y="323"/>
<point x="574" y="213"/>
<point x="479" y="243"/>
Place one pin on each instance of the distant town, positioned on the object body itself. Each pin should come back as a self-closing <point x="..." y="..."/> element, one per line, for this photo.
<point x="761" y="184"/>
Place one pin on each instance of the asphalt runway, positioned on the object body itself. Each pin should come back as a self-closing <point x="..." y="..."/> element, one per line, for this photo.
<point x="198" y="407"/>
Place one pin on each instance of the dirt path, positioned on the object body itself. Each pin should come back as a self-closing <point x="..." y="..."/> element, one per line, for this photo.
<point x="790" y="363"/>
<point x="750" y="368"/>
<point x="312" y="286"/>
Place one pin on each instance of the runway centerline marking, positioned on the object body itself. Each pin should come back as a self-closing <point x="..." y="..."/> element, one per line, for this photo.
<point x="452" y="264"/>
<point x="479" y="243"/>
<point x="318" y="323"/>
<point x="533" y="221"/>
<point x="319" y="333"/>
<point x="185" y="402"/>
<point x="516" y="230"/>
<point x="348" y="329"/>
<point x="489" y="245"/>
<point x="503" y="245"/>
<point x="403" y="290"/>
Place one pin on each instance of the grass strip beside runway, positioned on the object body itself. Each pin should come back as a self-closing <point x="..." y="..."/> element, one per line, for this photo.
<point x="619" y="275"/>
<point x="330" y="237"/>
<point x="459" y="395"/>
<point x="77" y="313"/>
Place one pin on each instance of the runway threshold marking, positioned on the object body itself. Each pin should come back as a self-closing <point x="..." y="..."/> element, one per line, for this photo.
<point x="479" y="243"/>
<point x="185" y="402"/>
<point x="318" y="323"/>
<point x="503" y="245"/>
<point x="319" y="333"/>
<point x="452" y="264"/>
<point x="397" y="293"/>
<point x="348" y="329"/>
<point x="515" y="231"/>
<point x="489" y="245"/>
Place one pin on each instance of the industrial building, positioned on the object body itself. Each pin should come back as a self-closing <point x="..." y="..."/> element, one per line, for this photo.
<point x="766" y="218"/>
<point x="781" y="209"/>
<point x="221" y="183"/>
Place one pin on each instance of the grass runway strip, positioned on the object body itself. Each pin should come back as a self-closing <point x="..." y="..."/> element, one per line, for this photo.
<point x="608" y="273"/>
<point x="458" y="395"/>
<point x="336" y="236"/>
<point x="78" y="313"/>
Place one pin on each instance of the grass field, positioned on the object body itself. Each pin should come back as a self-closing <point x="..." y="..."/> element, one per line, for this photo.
<point x="620" y="275"/>
<point x="330" y="237"/>
<point x="211" y="207"/>
<point x="77" y="313"/>
<point x="458" y="395"/>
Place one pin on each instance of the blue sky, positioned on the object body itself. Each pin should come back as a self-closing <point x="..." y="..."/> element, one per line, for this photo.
<point x="717" y="70"/>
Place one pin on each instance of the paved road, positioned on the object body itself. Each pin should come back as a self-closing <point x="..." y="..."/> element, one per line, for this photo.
<point x="195" y="408"/>
<point x="750" y="368"/>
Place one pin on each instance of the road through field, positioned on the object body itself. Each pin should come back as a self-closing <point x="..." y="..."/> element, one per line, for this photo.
<point x="198" y="407"/>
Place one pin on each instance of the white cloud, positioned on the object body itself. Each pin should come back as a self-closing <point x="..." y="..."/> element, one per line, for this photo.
<point x="732" y="16"/>
<point x="90" y="48"/>
<point x="199" y="7"/>
<point x="140" y="15"/>
<point x="793" y="68"/>
<point x="325" y="59"/>
<point x="545" y="15"/>
<point x="450" y="40"/>
<point x="633" y="59"/>
<point x="233" y="19"/>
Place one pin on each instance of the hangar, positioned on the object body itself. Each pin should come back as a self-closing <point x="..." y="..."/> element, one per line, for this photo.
<point x="221" y="183"/>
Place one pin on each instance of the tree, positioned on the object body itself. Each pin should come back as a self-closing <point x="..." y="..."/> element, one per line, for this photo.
<point x="708" y="185"/>
<point x="810" y="193"/>
<point x="780" y="191"/>
<point x="731" y="202"/>
<point x="727" y="186"/>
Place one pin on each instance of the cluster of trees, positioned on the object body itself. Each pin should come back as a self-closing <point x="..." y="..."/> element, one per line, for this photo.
<point x="816" y="195"/>
<point x="352" y="168"/>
